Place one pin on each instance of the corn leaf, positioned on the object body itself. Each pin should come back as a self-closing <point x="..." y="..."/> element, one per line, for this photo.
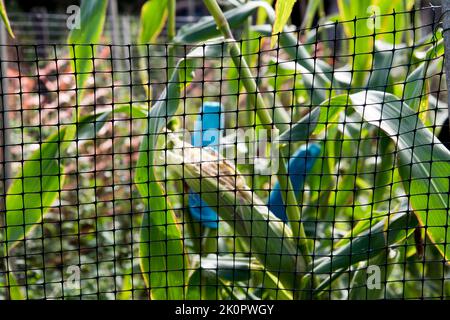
<point x="5" y="18"/>
<point x="206" y="27"/>
<point x="283" y="10"/>
<point x="206" y="281"/>
<point x="363" y="18"/>
<point x="382" y="66"/>
<point x="423" y="161"/>
<point x="163" y="260"/>
<point x="16" y="291"/>
<point x="92" y="20"/>
<point x="317" y="120"/>
<point x="358" y="287"/>
<point x="33" y="190"/>
<point x="230" y="268"/>
<point x="297" y="52"/>
<point x="153" y="19"/>
<point x="391" y="230"/>
<point x="37" y="186"/>
<point x="203" y="285"/>
<point x="283" y="70"/>
<point x="357" y="32"/>
<point x="262" y="14"/>
<point x="415" y="82"/>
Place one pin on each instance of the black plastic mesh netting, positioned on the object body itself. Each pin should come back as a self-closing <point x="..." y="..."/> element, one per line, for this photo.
<point x="314" y="169"/>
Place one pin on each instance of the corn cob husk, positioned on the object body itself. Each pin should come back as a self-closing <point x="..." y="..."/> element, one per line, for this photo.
<point x="267" y="238"/>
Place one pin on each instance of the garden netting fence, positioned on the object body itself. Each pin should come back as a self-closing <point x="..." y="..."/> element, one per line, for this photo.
<point x="220" y="169"/>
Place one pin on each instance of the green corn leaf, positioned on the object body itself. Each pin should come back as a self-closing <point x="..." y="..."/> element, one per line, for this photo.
<point x="423" y="162"/>
<point x="298" y="53"/>
<point x="161" y="247"/>
<point x="92" y="20"/>
<point x="153" y="19"/>
<point x="33" y="190"/>
<point x="90" y="125"/>
<point x="365" y="224"/>
<point x="359" y="228"/>
<point x="390" y="28"/>
<point x="359" y="289"/>
<point x="15" y="290"/>
<point x="292" y="70"/>
<point x="5" y="18"/>
<point x="391" y="230"/>
<point x="161" y="251"/>
<point x="360" y="45"/>
<point x="415" y="82"/>
<point x="206" y="28"/>
<point x="317" y="120"/>
<point x="126" y="289"/>
<point x="382" y="66"/>
<point x="135" y="110"/>
<point x="203" y="285"/>
<point x="385" y="263"/>
<point x="262" y="14"/>
<point x="36" y="187"/>
<point x="266" y="237"/>
<point x="283" y="10"/>
<point x="385" y="170"/>
<point x="372" y="17"/>
<point x="230" y="268"/>
<point x="208" y="278"/>
<point x="8" y="282"/>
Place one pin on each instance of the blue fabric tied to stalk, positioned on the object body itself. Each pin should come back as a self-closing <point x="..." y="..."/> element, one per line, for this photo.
<point x="207" y="132"/>
<point x="300" y="164"/>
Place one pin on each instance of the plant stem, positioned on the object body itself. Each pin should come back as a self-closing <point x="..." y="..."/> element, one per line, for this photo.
<point x="171" y="31"/>
<point x="292" y="209"/>
<point x="244" y="71"/>
<point x="294" y="216"/>
<point x="250" y="85"/>
<point x="248" y="119"/>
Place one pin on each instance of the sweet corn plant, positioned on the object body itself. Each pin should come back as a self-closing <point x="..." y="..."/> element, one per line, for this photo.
<point x="361" y="179"/>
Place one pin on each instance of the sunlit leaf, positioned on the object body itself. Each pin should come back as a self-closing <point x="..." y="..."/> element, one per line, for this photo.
<point x="283" y="10"/>
<point x="33" y="191"/>
<point x="415" y="82"/>
<point x="206" y="28"/>
<point x="423" y="161"/>
<point x="92" y="20"/>
<point x="152" y="21"/>
<point x="5" y="19"/>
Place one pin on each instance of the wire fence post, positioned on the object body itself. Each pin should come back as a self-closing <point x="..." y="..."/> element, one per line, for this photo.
<point x="446" y="33"/>
<point x="4" y="143"/>
<point x="4" y="108"/>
